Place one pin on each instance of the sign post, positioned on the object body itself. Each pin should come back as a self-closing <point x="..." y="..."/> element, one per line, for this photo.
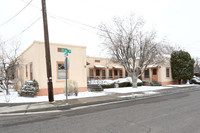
<point x="66" y="51"/>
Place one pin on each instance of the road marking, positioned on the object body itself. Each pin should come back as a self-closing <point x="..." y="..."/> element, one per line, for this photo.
<point x="29" y="113"/>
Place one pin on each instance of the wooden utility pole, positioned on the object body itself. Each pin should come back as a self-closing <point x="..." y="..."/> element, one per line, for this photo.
<point x="47" y="52"/>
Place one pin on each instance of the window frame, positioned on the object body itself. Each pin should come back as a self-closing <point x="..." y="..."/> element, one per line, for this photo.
<point x="145" y="73"/>
<point x="31" y="71"/>
<point x="26" y="71"/>
<point x="115" y="74"/>
<point x="154" y="71"/>
<point x="110" y="73"/>
<point x="98" y="72"/>
<point x="103" y="74"/>
<point x="91" y="74"/>
<point x="167" y="73"/>
<point x="120" y="73"/>
<point x="61" y="62"/>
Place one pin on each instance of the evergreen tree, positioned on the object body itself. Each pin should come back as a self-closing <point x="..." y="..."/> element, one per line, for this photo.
<point x="182" y="65"/>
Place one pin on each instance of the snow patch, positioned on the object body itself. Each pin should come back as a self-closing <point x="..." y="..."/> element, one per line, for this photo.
<point x="138" y="89"/>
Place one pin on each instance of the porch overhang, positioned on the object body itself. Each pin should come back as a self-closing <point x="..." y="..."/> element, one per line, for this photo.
<point x="152" y="66"/>
<point x="99" y="66"/>
<point x="117" y="67"/>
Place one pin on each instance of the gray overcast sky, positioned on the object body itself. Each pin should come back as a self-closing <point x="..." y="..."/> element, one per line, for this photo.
<point x="177" y="20"/>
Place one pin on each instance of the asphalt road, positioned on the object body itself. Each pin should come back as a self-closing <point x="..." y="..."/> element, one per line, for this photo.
<point x="176" y="113"/>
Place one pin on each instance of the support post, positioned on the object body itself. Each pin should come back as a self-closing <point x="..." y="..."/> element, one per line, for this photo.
<point x="47" y="52"/>
<point x="66" y="68"/>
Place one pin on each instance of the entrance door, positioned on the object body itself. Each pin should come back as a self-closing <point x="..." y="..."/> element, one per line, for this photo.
<point x="154" y="74"/>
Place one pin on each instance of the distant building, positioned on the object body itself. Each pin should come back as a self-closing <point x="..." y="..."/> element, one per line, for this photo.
<point x="160" y="73"/>
<point x="104" y="68"/>
<point x="197" y="70"/>
<point x="33" y="66"/>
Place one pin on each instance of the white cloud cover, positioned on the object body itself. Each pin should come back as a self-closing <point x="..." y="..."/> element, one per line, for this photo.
<point x="176" y="19"/>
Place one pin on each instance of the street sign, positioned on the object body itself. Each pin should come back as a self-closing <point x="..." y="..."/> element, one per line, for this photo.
<point x="65" y="50"/>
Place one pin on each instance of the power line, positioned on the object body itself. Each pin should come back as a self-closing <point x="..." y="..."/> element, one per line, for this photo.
<point x="67" y="19"/>
<point x="73" y="21"/>
<point x="24" y="29"/>
<point x="16" y="14"/>
<point x="69" y="23"/>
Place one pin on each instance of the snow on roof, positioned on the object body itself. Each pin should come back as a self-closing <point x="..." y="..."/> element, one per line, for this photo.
<point x="151" y="66"/>
<point x="117" y="67"/>
<point x="99" y="66"/>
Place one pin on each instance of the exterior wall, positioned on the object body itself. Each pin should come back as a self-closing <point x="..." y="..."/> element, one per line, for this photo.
<point x="163" y="79"/>
<point x="108" y="65"/>
<point x="161" y="74"/>
<point x="35" y="54"/>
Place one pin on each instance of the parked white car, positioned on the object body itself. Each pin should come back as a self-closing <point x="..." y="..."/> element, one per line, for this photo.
<point x="195" y="80"/>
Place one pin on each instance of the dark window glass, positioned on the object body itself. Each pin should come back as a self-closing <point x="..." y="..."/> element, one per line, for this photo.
<point x="154" y="71"/>
<point x="146" y="73"/>
<point x="103" y="74"/>
<point x="110" y="74"/>
<point x="120" y="73"/>
<point x="115" y="72"/>
<point x="126" y="74"/>
<point x="97" y="72"/>
<point x="167" y="72"/>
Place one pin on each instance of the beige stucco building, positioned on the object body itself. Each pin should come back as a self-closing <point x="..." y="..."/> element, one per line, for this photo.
<point x="103" y="68"/>
<point x="81" y="69"/>
<point x="33" y="66"/>
<point x="160" y="73"/>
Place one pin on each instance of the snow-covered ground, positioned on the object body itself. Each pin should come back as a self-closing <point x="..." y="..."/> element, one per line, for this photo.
<point x="15" y="98"/>
<point x="138" y="89"/>
<point x="147" y="90"/>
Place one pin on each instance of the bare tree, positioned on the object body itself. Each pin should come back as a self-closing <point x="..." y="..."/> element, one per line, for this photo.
<point x="8" y="62"/>
<point x="130" y="46"/>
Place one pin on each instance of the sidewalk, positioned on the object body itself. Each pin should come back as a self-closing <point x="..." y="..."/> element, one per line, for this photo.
<point x="72" y="103"/>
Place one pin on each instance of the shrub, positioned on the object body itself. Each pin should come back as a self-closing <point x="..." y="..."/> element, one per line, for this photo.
<point x="72" y="87"/>
<point x="108" y="85"/>
<point x="29" y="89"/>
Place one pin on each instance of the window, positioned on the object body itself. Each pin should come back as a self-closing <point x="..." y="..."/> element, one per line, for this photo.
<point x="26" y="71"/>
<point x="154" y="71"/>
<point x="61" y="71"/>
<point x="103" y="74"/>
<point x="97" y="72"/>
<point x="110" y="73"/>
<point x="115" y="72"/>
<point x="126" y="74"/>
<point x="146" y="73"/>
<point x="91" y="73"/>
<point x="31" y="71"/>
<point x="120" y="73"/>
<point x="167" y="72"/>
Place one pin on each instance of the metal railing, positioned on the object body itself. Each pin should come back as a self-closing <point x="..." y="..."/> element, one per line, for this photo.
<point x="100" y="80"/>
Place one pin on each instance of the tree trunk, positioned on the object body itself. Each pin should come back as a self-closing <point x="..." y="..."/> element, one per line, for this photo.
<point x="134" y="81"/>
<point x="6" y="87"/>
